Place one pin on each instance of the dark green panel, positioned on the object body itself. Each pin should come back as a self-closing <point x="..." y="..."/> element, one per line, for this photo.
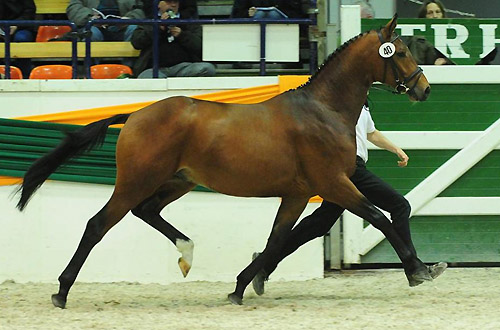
<point x="22" y="142"/>
<point x="422" y="164"/>
<point x="483" y="180"/>
<point x="459" y="107"/>
<point x="451" y="239"/>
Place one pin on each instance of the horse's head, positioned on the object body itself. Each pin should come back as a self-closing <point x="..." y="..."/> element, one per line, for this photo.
<point x="399" y="67"/>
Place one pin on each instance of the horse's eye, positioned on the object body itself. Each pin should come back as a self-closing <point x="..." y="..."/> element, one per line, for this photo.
<point x="401" y="54"/>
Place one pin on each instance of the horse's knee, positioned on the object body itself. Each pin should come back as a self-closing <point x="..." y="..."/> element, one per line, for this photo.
<point x="144" y="210"/>
<point x="138" y="211"/>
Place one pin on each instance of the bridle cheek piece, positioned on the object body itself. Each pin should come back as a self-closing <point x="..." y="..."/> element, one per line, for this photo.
<point x="388" y="56"/>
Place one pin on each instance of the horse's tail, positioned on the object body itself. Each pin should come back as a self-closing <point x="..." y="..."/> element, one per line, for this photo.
<point x="76" y="142"/>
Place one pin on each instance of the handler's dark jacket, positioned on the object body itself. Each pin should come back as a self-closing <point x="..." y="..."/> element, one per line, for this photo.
<point x="18" y="10"/>
<point x="184" y="48"/>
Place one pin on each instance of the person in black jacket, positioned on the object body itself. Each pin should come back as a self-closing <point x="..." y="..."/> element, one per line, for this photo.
<point x="179" y="46"/>
<point x="19" y="10"/>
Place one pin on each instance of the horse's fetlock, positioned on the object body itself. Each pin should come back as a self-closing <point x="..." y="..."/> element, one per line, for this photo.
<point x="65" y="282"/>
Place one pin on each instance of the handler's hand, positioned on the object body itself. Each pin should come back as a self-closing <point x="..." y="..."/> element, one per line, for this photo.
<point x="403" y="158"/>
<point x="440" y="61"/>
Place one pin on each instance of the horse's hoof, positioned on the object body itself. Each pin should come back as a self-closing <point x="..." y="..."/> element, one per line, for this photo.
<point x="184" y="266"/>
<point x="434" y="271"/>
<point x="414" y="283"/>
<point x="258" y="283"/>
<point x="419" y="277"/>
<point x="59" y="301"/>
<point x="437" y="269"/>
<point x="259" y="279"/>
<point x="234" y="299"/>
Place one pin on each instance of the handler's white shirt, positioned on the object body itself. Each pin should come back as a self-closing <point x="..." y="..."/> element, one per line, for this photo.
<point x="364" y="126"/>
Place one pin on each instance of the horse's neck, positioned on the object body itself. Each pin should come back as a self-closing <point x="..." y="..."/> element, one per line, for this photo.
<point x="343" y="82"/>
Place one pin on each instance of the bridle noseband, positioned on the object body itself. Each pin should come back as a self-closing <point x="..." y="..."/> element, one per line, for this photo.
<point x="401" y="87"/>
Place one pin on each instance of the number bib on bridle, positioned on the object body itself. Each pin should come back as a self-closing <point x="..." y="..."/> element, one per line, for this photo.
<point x="387" y="49"/>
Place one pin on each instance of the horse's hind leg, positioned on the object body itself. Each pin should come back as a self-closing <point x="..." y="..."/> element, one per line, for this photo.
<point x="97" y="227"/>
<point x="149" y="211"/>
<point x="288" y="213"/>
<point x="349" y="197"/>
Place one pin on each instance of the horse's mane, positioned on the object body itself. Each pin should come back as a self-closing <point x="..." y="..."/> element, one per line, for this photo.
<point x="331" y="57"/>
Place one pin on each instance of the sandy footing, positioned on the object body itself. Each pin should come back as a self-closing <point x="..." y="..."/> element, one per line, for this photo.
<point x="462" y="298"/>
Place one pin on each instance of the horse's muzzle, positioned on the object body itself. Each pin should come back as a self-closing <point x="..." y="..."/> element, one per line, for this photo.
<point x="416" y="95"/>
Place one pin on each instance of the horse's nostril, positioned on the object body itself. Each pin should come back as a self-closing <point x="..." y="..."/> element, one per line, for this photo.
<point x="427" y="91"/>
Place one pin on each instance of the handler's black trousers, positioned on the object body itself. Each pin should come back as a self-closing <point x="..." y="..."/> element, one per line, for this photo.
<point x="380" y="193"/>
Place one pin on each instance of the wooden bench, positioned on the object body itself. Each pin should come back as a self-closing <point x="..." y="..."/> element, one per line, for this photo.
<point x="63" y="49"/>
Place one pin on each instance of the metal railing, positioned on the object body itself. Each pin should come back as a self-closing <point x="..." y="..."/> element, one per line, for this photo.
<point x="6" y="24"/>
<point x="156" y="23"/>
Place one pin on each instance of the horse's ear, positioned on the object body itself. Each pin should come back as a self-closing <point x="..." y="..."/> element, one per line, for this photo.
<point x="389" y="28"/>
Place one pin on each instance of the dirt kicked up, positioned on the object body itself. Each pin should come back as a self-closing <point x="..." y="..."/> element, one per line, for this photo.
<point x="462" y="298"/>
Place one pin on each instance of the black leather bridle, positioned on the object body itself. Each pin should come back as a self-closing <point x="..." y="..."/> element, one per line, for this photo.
<point x="401" y="85"/>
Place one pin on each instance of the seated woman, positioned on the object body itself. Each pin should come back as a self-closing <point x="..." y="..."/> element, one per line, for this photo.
<point x="179" y="46"/>
<point x="422" y="50"/>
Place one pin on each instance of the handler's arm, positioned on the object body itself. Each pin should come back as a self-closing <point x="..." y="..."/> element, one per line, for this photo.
<point x="379" y="139"/>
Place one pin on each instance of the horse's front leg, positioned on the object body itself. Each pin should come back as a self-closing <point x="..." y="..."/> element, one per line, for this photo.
<point x="289" y="211"/>
<point x="149" y="212"/>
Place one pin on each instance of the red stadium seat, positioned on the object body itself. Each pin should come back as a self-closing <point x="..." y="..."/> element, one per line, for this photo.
<point x="45" y="33"/>
<point x="15" y="72"/>
<point x="55" y="71"/>
<point x="108" y="71"/>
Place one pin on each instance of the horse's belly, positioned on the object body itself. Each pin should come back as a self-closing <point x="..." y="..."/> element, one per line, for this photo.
<point x="244" y="182"/>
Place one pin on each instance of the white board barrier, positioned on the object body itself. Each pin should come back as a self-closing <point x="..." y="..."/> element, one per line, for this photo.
<point x="37" y="244"/>
<point x="241" y="42"/>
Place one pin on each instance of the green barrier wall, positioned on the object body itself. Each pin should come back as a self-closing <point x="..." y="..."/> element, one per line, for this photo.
<point x="449" y="108"/>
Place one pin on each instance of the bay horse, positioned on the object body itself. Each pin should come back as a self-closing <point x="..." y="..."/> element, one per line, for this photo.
<point x="296" y="145"/>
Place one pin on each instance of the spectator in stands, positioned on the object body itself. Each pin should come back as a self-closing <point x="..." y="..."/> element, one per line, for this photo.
<point x="432" y="9"/>
<point x="422" y="50"/>
<point x="179" y="46"/>
<point x="82" y="11"/>
<point x="187" y="8"/>
<point x="249" y="8"/>
<point x="19" y="10"/>
<point x="366" y="7"/>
